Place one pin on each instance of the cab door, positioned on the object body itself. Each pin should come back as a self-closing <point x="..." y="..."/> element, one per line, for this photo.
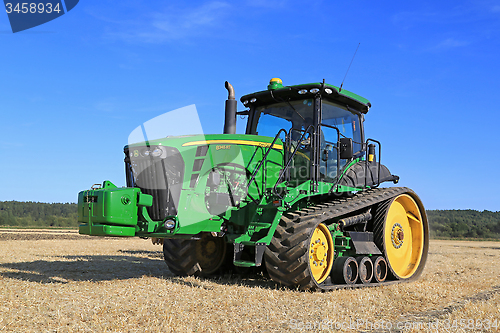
<point x="336" y="122"/>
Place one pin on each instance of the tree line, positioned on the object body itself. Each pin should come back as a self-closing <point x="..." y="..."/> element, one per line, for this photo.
<point x="442" y="223"/>
<point x="38" y="214"/>
<point x="464" y="224"/>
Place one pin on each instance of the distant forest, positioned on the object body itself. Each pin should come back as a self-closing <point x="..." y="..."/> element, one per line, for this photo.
<point x="443" y="223"/>
<point x="37" y="214"/>
<point x="464" y="224"/>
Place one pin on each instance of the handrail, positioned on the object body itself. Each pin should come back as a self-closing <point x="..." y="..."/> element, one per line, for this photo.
<point x="336" y="148"/>
<point x="282" y="173"/>
<point x="379" y="161"/>
<point x="254" y="174"/>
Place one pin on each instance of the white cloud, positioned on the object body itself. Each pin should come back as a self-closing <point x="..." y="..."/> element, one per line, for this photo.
<point x="451" y="43"/>
<point x="105" y="106"/>
<point x="406" y="20"/>
<point x="11" y="144"/>
<point x="267" y="3"/>
<point x="191" y="21"/>
<point x="173" y="24"/>
<point x="459" y="14"/>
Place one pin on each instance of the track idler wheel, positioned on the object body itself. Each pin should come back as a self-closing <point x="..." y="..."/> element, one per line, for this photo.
<point x="401" y="230"/>
<point x="321" y="253"/>
<point x="379" y="269"/>
<point x="345" y="270"/>
<point x="365" y="268"/>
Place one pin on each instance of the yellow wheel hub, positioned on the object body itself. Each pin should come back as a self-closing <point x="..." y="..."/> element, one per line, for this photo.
<point x="321" y="253"/>
<point x="404" y="236"/>
<point x="397" y="235"/>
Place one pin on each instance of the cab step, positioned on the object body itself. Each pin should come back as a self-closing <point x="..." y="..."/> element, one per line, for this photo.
<point x="259" y="253"/>
<point x="244" y="263"/>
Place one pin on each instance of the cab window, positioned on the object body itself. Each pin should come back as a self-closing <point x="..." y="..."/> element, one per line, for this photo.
<point x="346" y="121"/>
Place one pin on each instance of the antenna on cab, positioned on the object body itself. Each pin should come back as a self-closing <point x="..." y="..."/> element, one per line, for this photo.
<point x="340" y="89"/>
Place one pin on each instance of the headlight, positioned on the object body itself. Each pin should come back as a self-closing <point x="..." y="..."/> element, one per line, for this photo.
<point x="157" y="152"/>
<point x="169" y="224"/>
<point x="152" y="151"/>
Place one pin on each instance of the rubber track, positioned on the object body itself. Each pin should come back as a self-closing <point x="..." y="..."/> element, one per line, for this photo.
<point x="284" y="257"/>
<point x="378" y="230"/>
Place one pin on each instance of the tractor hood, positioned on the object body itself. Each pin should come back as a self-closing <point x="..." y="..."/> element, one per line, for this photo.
<point x="200" y="176"/>
<point x="223" y="141"/>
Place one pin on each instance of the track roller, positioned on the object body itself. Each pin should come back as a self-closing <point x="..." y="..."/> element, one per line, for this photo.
<point x="379" y="269"/>
<point x="365" y="267"/>
<point x="345" y="270"/>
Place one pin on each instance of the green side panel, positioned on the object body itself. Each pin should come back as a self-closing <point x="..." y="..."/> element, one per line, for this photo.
<point x="106" y="230"/>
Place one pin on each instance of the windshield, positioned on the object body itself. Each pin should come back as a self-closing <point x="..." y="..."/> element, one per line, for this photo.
<point x="296" y="114"/>
<point x="296" y="117"/>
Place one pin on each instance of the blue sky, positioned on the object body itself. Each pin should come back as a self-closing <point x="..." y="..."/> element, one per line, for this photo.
<point x="73" y="89"/>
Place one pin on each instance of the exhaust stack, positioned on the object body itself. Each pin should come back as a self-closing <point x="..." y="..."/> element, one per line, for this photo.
<point x="231" y="104"/>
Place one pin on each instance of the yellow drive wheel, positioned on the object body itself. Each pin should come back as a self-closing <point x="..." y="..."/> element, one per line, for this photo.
<point x="321" y="253"/>
<point x="401" y="230"/>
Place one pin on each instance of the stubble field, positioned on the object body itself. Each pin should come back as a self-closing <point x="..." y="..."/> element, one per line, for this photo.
<point x="59" y="281"/>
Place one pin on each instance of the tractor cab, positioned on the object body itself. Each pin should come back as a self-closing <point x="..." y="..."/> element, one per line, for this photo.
<point x="321" y="127"/>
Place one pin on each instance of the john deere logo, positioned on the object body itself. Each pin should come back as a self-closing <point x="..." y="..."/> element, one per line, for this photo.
<point x="25" y="14"/>
<point x="126" y="199"/>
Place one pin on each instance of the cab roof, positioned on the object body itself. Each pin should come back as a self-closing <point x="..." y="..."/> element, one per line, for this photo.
<point x="327" y="91"/>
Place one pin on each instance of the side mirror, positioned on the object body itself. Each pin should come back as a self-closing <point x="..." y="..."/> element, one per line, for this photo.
<point x="346" y="152"/>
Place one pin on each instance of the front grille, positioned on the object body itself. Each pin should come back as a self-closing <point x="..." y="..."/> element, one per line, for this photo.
<point x="160" y="177"/>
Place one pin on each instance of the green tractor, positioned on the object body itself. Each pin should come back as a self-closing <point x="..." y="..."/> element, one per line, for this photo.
<point x="297" y="196"/>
